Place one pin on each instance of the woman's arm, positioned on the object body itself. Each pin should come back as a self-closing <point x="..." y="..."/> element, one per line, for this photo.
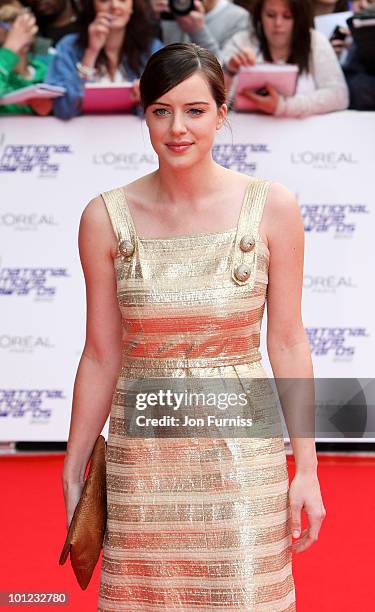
<point x="63" y="71"/>
<point x="287" y="344"/>
<point x="331" y="93"/>
<point x="101" y="357"/>
<point x="289" y="351"/>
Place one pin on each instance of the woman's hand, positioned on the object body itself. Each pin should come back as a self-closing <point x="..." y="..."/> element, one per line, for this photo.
<point x="242" y="57"/>
<point x="267" y="104"/>
<point x="340" y="44"/>
<point x="98" y="31"/>
<point x="22" y="33"/>
<point x="72" y="494"/>
<point x="194" y="20"/>
<point x="304" y="493"/>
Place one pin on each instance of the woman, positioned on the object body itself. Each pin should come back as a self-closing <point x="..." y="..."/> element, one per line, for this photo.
<point x="113" y="44"/>
<point x="283" y="34"/>
<point x="173" y="295"/>
<point x="18" y="65"/>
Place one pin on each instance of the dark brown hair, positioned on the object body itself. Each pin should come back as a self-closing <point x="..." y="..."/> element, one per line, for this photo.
<point x="173" y="64"/>
<point x="139" y="33"/>
<point x="341" y="6"/>
<point x="300" y="47"/>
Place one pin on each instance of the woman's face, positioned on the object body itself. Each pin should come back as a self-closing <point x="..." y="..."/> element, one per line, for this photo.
<point x="278" y="23"/>
<point x="183" y="123"/>
<point x="120" y="10"/>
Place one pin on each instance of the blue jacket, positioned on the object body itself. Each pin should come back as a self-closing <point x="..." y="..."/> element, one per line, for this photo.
<point x="63" y="71"/>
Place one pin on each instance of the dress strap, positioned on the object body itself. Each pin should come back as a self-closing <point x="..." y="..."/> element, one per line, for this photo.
<point x="121" y="220"/>
<point x="247" y="234"/>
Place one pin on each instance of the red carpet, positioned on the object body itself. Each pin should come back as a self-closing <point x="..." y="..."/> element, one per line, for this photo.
<point x="335" y="575"/>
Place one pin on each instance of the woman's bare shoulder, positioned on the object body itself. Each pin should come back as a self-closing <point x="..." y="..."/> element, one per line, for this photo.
<point x="95" y="225"/>
<point x="280" y="199"/>
<point x="282" y="211"/>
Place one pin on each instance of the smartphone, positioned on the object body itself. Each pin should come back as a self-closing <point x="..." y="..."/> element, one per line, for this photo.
<point x="338" y="34"/>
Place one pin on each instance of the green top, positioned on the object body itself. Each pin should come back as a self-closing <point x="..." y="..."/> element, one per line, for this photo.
<point x="10" y="80"/>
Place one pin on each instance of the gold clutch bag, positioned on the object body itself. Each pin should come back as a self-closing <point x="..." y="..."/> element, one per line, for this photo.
<point x="86" y="531"/>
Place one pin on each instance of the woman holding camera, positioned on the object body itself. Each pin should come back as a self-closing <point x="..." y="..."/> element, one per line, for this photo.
<point x="283" y="33"/>
<point x="114" y="41"/>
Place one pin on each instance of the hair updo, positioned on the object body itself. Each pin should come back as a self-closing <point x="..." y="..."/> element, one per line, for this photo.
<point x="173" y="64"/>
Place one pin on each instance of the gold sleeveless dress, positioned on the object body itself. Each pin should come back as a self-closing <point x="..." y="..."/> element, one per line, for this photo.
<point x="194" y="523"/>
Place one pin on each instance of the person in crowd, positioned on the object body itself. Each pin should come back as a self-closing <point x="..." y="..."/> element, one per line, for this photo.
<point x="283" y="34"/>
<point x="342" y="40"/>
<point x="210" y="25"/>
<point x="114" y="41"/>
<point x="361" y="82"/>
<point x="55" y="18"/>
<point x="325" y="7"/>
<point x="18" y="67"/>
<point x="359" y="68"/>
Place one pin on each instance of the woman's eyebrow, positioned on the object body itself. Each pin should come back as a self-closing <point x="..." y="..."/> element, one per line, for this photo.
<point x="187" y="103"/>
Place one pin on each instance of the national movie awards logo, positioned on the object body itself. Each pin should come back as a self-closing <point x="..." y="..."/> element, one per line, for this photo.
<point x="240" y="156"/>
<point x="33" y="221"/>
<point x="34" y="403"/>
<point x="134" y="160"/>
<point x="323" y="160"/>
<point x="332" y="283"/>
<point x="340" y="343"/>
<point x="37" y="282"/>
<point x="28" y="158"/>
<point x="341" y="219"/>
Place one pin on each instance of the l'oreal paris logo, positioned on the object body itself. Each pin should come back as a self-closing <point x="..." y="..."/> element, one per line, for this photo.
<point x="24" y="344"/>
<point x="327" y="284"/>
<point x="26" y="222"/>
<point x="323" y="159"/>
<point x="121" y="160"/>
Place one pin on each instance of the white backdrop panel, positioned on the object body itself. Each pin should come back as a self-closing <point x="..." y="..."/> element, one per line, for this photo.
<point x="50" y="169"/>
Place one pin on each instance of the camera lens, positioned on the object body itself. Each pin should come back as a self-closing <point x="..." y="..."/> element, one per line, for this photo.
<point x="181" y="7"/>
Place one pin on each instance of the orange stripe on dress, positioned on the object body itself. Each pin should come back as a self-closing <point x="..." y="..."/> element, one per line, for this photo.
<point x="193" y="349"/>
<point x="194" y="324"/>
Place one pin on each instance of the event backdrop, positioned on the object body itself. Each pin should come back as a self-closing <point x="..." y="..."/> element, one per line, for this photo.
<point x="49" y="171"/>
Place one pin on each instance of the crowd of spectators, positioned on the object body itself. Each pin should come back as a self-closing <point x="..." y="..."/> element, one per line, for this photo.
<point x="70" y="43"/>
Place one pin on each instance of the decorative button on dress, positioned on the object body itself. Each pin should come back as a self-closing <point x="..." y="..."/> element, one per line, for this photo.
<point x="195" y="524"/>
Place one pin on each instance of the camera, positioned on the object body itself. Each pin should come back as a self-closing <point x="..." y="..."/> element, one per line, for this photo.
<point x="178" y="8"/>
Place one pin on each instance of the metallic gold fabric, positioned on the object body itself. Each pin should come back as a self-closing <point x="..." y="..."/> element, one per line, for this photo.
<point x="194" y="523"/>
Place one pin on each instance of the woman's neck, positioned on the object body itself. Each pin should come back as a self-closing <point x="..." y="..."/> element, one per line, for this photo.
<point x="186" y="186"/>
<point x="279" y="54"/>
<point x="114" y="43"/>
